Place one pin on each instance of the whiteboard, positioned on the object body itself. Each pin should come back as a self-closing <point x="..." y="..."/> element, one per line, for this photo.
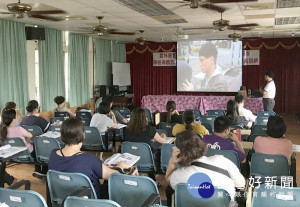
<point x="121" y="74"/>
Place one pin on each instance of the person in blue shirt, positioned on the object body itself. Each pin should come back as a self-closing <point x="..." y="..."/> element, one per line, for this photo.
<point x="72" y="159"/>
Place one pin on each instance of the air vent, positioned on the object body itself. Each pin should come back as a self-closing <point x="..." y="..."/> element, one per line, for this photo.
<point x="287" y="20"/>
<point x="288" y="3"/>
<point x="258" y="6"/>
<point x="152" y="9"/>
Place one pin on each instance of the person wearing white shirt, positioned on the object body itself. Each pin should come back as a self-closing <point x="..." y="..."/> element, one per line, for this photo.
<point x="269" y="92"/>
<point x="189" y="149"/>
<point x="249" y="116"/>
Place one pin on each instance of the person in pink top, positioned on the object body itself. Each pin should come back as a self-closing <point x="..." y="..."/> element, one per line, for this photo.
<point x="9" y="130"/>
<point x="275" y="143"/>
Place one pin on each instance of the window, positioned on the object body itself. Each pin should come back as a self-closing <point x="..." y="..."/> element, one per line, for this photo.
<point x="66" y="65"/>
<point x="37" y="81"/>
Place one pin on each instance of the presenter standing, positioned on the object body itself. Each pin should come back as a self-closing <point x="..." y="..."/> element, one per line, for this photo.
<point x="269" y="92"/>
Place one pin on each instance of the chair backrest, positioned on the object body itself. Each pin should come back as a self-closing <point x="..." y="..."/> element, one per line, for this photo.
<point x="166" y="153"/>
<point x="83" y="114"/>
<point x="21" y="198"/>
<point x="215" y="112"/>
<point x="129" y="191"/>
<point x="43" y="147"/>
<point x="124" y="111"/>
<point x="25" y="156"/>
<point x="183" y="198"/>
<point x="259" y="130"/>
<point x="276" y="197"/>
<point x="55" y="118"/>
<point x="149" y="115"/>
<point x="236" y="126"/>
<point x="229" y="154"/>
<point x="73" y="201"/>
<point x="208" y="127"/>
<point x="209" y="119"/>
<point x="161" y="131"/>
<point x="62" y="114"/>
<point x="197" y="113"/>
<point x="93" y="139"/>
<point x="55" y="128"/>
<point x="82" y="108"/>
<point x="265" y="113"/>
<point x="261" y="121"/>
<point x="167" y="127"/>
<point x="34" y="130"/>
<point x="146" y="162"/>
<point x="269" y="165"/>
<point x="62" y="184"/>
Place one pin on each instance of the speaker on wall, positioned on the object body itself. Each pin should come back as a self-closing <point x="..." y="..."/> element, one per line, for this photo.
<point x="99" y="91"/>
<point x="35" y="33"/>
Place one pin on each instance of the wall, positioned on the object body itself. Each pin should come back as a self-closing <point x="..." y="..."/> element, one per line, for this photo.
<point x="149" y="80"/>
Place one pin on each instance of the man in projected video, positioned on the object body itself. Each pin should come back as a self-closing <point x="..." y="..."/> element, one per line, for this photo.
<point x="211" y="78"/>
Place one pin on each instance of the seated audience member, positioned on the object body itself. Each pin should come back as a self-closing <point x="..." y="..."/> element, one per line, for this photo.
<point x="60" y="101"/>
<point x="12" y="105"/>
<point x="10" y="131"/>
<point x="249" y="116"/>
<point x="275" y="143"/>
<point x="71" y="159"/>
<point x="101" y="120"/>
<point x="190" y="150"/>
<point x="33" y="117"/>
<point x="120" y="119"/>
<point x="189" y="123"/>
<point x="139" y="131"/>
<point x="173" y="115"/>
<point x="218" y="141"/>
<point x="233" y="115"/>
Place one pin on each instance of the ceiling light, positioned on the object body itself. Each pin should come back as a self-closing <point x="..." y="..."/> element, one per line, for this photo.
<point x="293" y="34"/>
<point x="100" y="33"/>
<point x="35" y="26"/>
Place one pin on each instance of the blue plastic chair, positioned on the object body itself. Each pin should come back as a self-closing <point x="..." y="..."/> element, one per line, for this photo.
<point x="265" y="114"/>
<point x="146" y="161"/>
<point x="34" y="130"/>
<point x="183" y="198"/>
<point x="197" y="114"/>
<point x="93" y="140"/>
<point x="25" y="156"/>
<point x="55" y="128"/>
<point x="62" y="114"/>
<point x="62" y="184"/>
<point x="86" y="117"/>
<point x="276" y="197"/>
<point x="259" y="130"/>
<point x="265" y="165"/>
<point x="21" y="198"/>
<point x="73" y="201"/>
<point x="167" y="127"/>
<point x="125" y="112"/>
<point x="229" y="154"/>
<point x="261" y="121"/>
<point x="166" y="153"/>
<point x="43" y="147"/>
<point x="209" y="119"/>
<point x="161" y="131"/>
<point x="129" y="190"/>
<point x="208" y="127"/>
<point x="149" y="115"/>
<point x="215" y="112"/>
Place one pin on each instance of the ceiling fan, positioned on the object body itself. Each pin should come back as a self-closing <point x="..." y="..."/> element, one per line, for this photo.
<point x="206" y="4"/>
<point x="223" y="24"/>
<point x="21" y="10"/>
<point x="142" y="40"/>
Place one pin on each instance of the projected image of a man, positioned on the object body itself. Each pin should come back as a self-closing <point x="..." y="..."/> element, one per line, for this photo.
<point x="211" y="77"/>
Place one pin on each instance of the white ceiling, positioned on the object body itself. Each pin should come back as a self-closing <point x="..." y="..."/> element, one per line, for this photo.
<point x="117" y="16"/>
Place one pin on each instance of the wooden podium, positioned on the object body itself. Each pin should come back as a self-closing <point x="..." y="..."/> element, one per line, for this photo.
<point x="121" y="101"/>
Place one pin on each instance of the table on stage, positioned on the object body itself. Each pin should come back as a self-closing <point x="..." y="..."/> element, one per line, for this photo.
<point x="203" y="103"/>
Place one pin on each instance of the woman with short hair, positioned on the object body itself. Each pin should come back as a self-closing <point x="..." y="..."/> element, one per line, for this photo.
<point x="173" y="115"/>
<point x="60" y="101"/>
<point x="72" y="159"/>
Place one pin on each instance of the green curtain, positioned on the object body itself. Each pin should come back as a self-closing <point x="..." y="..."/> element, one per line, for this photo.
<point x="118" y="52"/>
<point x="102" y="62"/>
<point x="13" y="64"/>
<point x="78" y="69"/>
<point x="51" y="68"/>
